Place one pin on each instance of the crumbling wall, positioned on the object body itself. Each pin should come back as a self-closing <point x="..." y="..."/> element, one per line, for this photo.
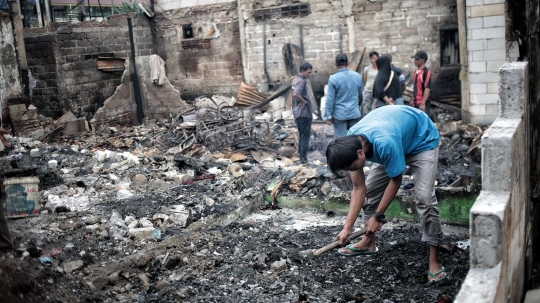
<point x="397" y="27"/>
<point x="523" y="26"/>
<point x="64" y="62"/>
<point x="211" y="61"/>
<point x="159" y="101"/>
<point x="498" y="218"/>
<point x="120" y="108"/>
<point x="85" y="86"/>
<point x="10" y="82"/>
<point x="486" y="54"/>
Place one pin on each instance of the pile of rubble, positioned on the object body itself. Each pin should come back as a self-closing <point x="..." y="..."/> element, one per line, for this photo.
<point x="146" y="197"/>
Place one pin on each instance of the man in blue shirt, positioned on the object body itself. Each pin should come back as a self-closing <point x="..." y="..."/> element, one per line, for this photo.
<point x="392" y="137"/>
<point x="344" y="89"/>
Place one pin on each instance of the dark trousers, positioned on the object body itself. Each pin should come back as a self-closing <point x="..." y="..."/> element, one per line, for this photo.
<point x="5" y="240"/>
<point x="304" y="132"/>
<point x="428" y="107"/>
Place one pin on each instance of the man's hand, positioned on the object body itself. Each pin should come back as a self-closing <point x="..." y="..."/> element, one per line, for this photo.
<point x="423" y="107"/>
<point x="342" y="236"/>
<point x="390" y="101"/>
<point x="330" y="121"/>
<point x="372" y="225"/>
<point x="301" y="105"/>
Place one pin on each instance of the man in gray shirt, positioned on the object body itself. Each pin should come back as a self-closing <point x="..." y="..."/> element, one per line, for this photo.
<point x="302" y="110"/>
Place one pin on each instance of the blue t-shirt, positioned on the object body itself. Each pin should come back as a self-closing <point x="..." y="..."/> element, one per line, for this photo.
<point x="395" y="132"/>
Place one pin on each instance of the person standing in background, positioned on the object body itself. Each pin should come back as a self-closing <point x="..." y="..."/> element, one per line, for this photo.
<point x="369" y="75"/>
<point x="303" y="114"/>
<point x="399" y="73"/>
<point x="344" y="90"/>
<point x="422" y="83"/>
<point x="386" y="88"/>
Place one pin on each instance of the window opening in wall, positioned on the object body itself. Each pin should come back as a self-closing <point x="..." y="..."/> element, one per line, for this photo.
<point x="449" y="46"/>
<point x="187" y="31"/>
<point x="290" y="11"/>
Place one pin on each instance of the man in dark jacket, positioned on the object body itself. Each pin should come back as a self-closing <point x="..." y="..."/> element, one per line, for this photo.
<point x="303" y="114"/>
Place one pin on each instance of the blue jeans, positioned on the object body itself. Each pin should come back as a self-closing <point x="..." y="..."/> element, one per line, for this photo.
<point x="399" y="101"/>
<point x="341" y="127"/>
<point x="304" y="132"/>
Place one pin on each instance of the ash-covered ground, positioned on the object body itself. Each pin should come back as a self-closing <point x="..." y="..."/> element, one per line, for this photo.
<point x="125" y="219"/>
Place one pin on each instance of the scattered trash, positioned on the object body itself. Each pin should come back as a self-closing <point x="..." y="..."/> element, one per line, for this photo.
<point x="46" y="261"/>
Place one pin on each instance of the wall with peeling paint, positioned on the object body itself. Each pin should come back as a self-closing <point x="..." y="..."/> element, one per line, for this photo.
<point x="10" y="82"/>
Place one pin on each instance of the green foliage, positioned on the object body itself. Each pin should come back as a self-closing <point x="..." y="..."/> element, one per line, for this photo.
<point x="126" y="7"/>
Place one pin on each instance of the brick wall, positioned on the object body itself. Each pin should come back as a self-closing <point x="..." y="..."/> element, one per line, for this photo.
<point x="486" y="54"/>
<point x="64" y="62"/>
<point x="85" y="86"/>
<point x="41" y="58"/>
<point x="397" y="27"/>
<point x="211" y="61"/>
<point x="10" y="82"/>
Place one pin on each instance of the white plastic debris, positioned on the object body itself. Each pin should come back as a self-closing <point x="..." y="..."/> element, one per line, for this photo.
<point x="124" y="194"/>
<point x="53" y="164"/>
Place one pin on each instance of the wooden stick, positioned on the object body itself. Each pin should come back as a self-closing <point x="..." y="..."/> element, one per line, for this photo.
<point x="335" y="244"/>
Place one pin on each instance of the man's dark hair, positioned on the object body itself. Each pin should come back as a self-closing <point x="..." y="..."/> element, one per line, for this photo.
<point x="371" y="54"/>
<point x="342" y="152"/>
<point x="305" y="66"/>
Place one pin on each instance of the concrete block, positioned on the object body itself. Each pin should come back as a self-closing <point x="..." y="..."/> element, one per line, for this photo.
<point x="513" y="85"/>
<point x="493" y="66"/>
<point x="476" y="56"/>
<point x="482" y="77"/>
<point x="487" y="10"/>
<point x="493" y="88"/>
<point x="495" y="55"/>
<point x="474" y="2"/>
<point x="532" y="296"/>
<point x="477" y="67"/>
<point x="478" y="88"/>
<point x="483" y="120"/>
<point x="473" y="23"/>
<point x="494" y="21"/>
<point x="492" y="109"/>
<point x="477" y="110"/>
<point x="488" y="33"/>
<point x="487" y="277"/>
<point x="497" y="157"/>
<point x="486" y="238"/>
<point x="485" y="99"/>
<point x="497" y="43"/>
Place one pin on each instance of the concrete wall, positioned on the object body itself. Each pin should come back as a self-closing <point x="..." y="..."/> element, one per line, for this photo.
<point x="64" y="62"/>
<point x="120" y="108"/>
<point x="486" y="54"/>
<point x="499" y="216"/>
<point x="211" y="61"/>
<point x="10" y="82"/>
<point x="159" y="101"/>
<point x="397" y="27"/>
